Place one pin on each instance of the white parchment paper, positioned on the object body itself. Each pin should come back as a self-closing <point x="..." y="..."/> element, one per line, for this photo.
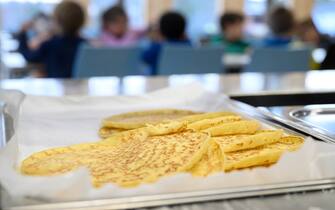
<point x="47" y="122"/>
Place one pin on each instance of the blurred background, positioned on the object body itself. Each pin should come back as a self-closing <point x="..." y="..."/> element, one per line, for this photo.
<point x="202" y="27"/>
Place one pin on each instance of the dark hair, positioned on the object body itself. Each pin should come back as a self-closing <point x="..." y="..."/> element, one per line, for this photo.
<point x="304" y="25"/>
<point x="112" y="13"/>
<point x="70" y="17"/>
<point x="281" y="20"/>
<point x="230" y="18"/>
<point x="172" y="25"/>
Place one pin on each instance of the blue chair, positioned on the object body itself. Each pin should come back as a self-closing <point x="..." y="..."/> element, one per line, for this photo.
<point x="190" y="60"/>
<point x="106" y="61"/>
<point x="279" y="60"/>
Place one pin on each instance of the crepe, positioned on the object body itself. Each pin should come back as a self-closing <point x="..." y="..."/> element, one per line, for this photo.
<point x="211" y="161"/>
<point x="208" y="115"/>
<point x="139" y="119"/>
<point x="60" y="160"/>
<point x="141" y="159"/>
<point x="231" y="143"/>
<point x="146" y="161"/>
<point x="231" y="128"/>
<point x="105" y="132"/>
<point x="207" y="123"/>
<point x="289" y="143"/>
<point x="261" y="156"/>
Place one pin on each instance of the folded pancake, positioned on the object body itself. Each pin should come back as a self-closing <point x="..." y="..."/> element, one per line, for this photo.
<point x="64" y="159"/>
<point x="210" y="162"/>
<point x="139" y="119"/>
<point x="260" y="156"/>
<point x="289" y="143"/>
<point x="105" y="132"/>
<point x="231" y="143"/>
<point x="145" y="161"/>
<point x="207" y="123"/>
<point x="141" y="159"/>
<point x="250" y="158"/>
<point x="151" y="130"/>
<point x="208" y="115"/>
<point x="233" y="128"/>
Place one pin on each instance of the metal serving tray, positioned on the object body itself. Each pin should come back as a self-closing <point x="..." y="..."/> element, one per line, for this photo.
<point x="12" y="203"/>
<point x="317" y="121"/>
<point x="320" y="116"/>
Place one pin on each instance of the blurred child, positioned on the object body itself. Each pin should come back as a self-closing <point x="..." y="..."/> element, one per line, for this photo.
<point x="42" y="29"/>
<point x="172" y="27"/>
<point x="232" y="27"/>
<point x="58" y="53"/>
<point x="115" y="28"/>
<point x="309" y="34"/>
<point x="281" y="23"/>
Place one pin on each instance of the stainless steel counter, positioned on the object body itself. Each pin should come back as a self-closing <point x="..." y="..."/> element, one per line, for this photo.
<point x="239" y="84"/>
<point x="233" y="84"/>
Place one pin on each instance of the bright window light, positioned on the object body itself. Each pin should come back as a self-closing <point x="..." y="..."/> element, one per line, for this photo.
<point x="32" y="1"/>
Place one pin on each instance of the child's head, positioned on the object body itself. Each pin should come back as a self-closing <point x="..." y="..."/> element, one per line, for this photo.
<point x="115" y="21"/>
<point x="232" y="26"/>
<point x="172" y="26"/>
<point x="307" y="32"/>
<point x="69" y="17"/>
<point x="281" y="21"/>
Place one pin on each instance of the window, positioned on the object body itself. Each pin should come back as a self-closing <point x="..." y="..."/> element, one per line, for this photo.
<point x="255" y="11"/>
<point x="201" y="16"/>
<point x="255" y="7"/>
<point x="323" y="15"/>
<point x="16" y="12"/>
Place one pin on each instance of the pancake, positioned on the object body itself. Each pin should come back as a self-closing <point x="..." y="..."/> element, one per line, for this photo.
<point x="150" y="130"/>
<point x="64" y="159"/>
<point x="139" y="119"/>
<point x="105" y="132"/>
<point x="289" y="143"/>
<point x="250" y="158"/>
<point x="207" y="123"/>
<point x="260" y="156"/>
<point x="141" y="159"/>
<point x="231" y="143"/>
<point x="208" y="115"/>
<point x="145" y="161"/>
<point x="233" y="128"/>
<point x="210" y="162"/>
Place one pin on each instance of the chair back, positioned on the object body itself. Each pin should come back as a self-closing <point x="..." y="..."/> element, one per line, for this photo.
<point x="106" y="61"/>
<point x="279" y="60"/>
<point x="190" y="60"/>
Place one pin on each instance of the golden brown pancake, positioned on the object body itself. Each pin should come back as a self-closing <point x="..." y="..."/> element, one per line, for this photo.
<point x="146" y="161"/>
<point x="105" y="132"/>
<point x="233" y="128"/>
<point x="210" y="162"/>
<point x="263" y="155"/>
<point x="231" y="143"/>
<point x="207" y="123"/>
<point x="142" y="159"/>
<point x="134" y="120"/>
<point x="208" y="115"/>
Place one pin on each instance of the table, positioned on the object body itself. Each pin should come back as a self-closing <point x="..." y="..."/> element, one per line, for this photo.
<point x="236" y="84"/>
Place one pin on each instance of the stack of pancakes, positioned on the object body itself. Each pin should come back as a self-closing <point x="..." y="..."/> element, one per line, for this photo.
<point x="141" y="147"/>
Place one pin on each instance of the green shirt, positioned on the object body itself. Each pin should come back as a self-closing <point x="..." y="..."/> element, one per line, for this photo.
<point x="236" y="47"/>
